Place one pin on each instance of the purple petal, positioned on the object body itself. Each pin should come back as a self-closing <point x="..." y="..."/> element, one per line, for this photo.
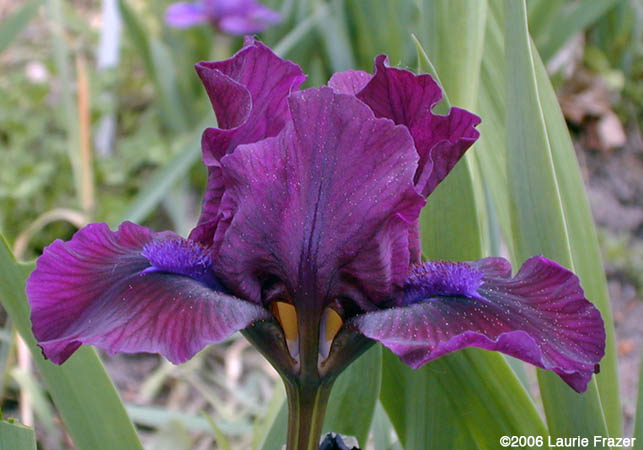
<point x="247" y="17"/>
<point x="132" y="290"/>
<point x="248" y="93"/>
<point x="408" y="100"/>
<point x="330" y="198"/>
<point x="209" y="218"/>
<point x="349" y="82"/>
<point x="540" y="316"/>
<point x="185" y="15"/>
<point x="240" y="16"/>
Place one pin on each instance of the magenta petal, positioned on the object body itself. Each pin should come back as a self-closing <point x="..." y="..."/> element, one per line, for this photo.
<point x="408" y="99"/>
<point x="309" y="205"/>
<point x="132" y="290"/>
<point x="447" y="138"/>
<point x="209" y="218"/>
<point x="540" y="316"/>
<point x="349" y="82"/>
<point x="185" y="15"/>
<point x="248" y="93"/>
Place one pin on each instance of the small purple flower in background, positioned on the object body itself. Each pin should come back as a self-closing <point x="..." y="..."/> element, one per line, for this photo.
<point x="230" y="16"/>
<point x="308" y="242"/>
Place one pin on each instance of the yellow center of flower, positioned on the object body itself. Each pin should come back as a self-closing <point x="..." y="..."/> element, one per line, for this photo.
<point x="286" y="315"/>
<point x="331" y="322"/>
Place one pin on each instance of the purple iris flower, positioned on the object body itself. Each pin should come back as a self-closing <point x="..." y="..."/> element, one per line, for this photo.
<point x="230" y="16"/>
<point x="308" y="242"/>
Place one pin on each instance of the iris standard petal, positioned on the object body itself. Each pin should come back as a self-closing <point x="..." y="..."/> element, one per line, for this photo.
<point x="349" y="82"/>
<point x="248" y="93"/>
<point x="408" y="99"/>
<point x="132" y="290"/>
<point x="185" y="15"/>
<point x="203" y="233"/>
<point x="540" y="316"/>
<point x="320" y="202"/>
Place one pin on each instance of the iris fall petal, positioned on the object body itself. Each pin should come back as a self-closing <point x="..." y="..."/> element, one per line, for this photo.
<point x="540" y="316"/>
<point x="132" y="290"/>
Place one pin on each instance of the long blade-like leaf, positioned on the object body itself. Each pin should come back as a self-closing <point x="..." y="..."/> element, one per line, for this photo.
<point x="452" y="33"/>
<point x="275" y="412"/>
<point x="354" y="397"/>
<point x="541" y="223"/>
<point x="303" y="28"/>
<point x="80" y="388"/>
<point x="541" y="15"/>
<point x="334" y="34"/>
<point x="276" y="436"/>
<point x="570" y="20"/>
<point x="384" y="436"/>
<point x="638" y="422"/>
<point x="381" y="26"/>
<point x="464" y="400"/>
<point x="14" y="436"/>
<point x="491" y="149"/>
<point x="586" y="255"/>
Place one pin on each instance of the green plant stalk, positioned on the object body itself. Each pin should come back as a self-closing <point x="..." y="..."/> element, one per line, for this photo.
<point x="308" y="389"/>
<point x="306" y="411"/>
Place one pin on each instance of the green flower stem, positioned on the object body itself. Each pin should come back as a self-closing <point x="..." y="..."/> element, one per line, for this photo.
<point x="306" y="410"/>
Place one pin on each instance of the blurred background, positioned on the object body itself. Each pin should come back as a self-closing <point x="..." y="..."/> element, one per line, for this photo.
<point x="100" y="120"/>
